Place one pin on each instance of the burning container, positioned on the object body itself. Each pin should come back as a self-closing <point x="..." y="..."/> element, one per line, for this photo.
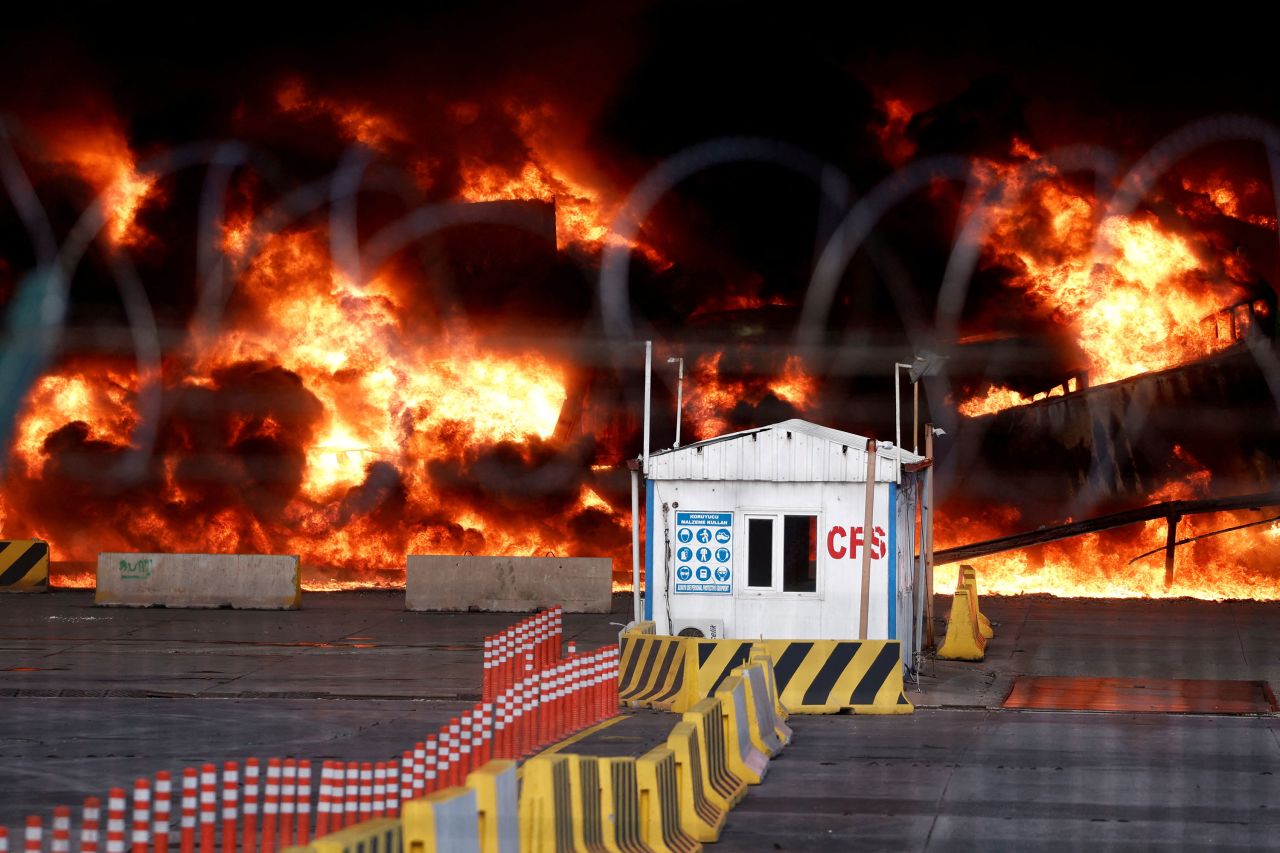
<point x="762" y="533"/>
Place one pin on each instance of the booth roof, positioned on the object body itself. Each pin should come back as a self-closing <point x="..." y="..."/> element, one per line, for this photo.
<point x="824" y="456"/>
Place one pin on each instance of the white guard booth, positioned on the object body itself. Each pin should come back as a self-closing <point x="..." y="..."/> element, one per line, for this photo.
<point x="759" y="534"/>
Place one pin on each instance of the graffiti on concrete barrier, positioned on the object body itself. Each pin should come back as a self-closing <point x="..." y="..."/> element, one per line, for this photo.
<point x="137" y="570"/>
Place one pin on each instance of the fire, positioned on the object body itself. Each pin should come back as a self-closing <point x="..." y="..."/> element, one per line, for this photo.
<point x="1240" y="564"/>
<point x="712" y="397"/>
<point x="356" y="122"/>
<point x="1237" y="565"/>
<point x="1222" y="196"/>
<point x="101" y="157"/>
<point x="1135" y="294"/>
<point x="998" y="398"/>
<point x="583" y="215"/>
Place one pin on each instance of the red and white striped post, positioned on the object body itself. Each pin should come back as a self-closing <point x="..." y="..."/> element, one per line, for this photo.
<point x="351" y="795"/>
<point x="393" y="788"/>
<point x="366" y="791"/>
<point x="34" y="836"/>
<point x="161" y="812"/>
<point x="324" y="807"/>
<point x="271" y="806"/>
<point x="486" y="733"/>
<point x="249" y="829"/>
<point x="379" y="789"/>
<point x="302" y="833"/>
<point x="486" y="683"/>
<point x="408" y="778"/>
<point x="208" y="807"/>
<point x="230" y="805"/>
<point x="115" y="821"/>
<point x="60" y="840"/>
<point x="288" y="802"/>
<point x="454" y="739"/>
<point x="4" y="840"/>
<point x="187" y="839"/>
<point x="431" y="765"/>
<point x="419" y="782"/>
<point x="90" y="822"/>
<point x="141" y="836"/>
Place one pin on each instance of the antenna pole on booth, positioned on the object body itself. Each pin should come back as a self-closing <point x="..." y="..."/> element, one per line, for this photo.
<point x="864" y="600"/>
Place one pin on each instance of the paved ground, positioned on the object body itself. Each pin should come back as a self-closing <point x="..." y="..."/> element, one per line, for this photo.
<point x="1042" y="635"/>
<point x="93" y="697"/>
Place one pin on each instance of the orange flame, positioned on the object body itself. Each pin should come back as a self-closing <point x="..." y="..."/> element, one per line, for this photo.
<point x="1241" y="564"/>
<point x="1136" y="304"/>
<point x="102" y="158"/>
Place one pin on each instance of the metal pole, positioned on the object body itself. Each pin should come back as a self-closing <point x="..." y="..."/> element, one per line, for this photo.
<point x="927" y="541"/>
<point x="679" y="396"/>
<point x="915" y="418"/>
<point x="1169" y="542"/>
<point x="864" y="600"/>
<point x="648" y="383"/>
<point x="635" y="545"/>
<point x="897" y="417"/>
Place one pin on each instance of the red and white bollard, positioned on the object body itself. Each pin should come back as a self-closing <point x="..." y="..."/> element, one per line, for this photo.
<point x="249" y="829"/>
<point x="302" y="833"/>
<point x="115" y="821"/>
<point x="408" y="777"/>
<point x="230" y="805"/>
<point x="4" y="840"/>
<point x="141" y="836"/>
<point x="454" y="746"/>
<point x="419" y="768"/>
<point x="351" y="795"/>
<point x="431" y="765"/>
<point x="379" y="789"/>
<point x="34" y="836"/>
<point x="90" y="822"/>
<point x="60" y="840"/>
<point x="323" y="805"/>
<point x="271" y="806"/>
<point x="161" y="811"/>
<point x="366" y="791"/>
<point x="393" y="788"/>
<point x="208" y="807"/>
<point x="190" y="795"/>
<point x="288" y="801"/>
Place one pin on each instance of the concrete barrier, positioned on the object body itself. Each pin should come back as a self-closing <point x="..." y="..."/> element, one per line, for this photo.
<point x="509" y="584"/>
<point x="242" y="581"/>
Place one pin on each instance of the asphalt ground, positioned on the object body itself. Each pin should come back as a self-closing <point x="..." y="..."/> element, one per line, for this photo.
<point x="92" y="698"/>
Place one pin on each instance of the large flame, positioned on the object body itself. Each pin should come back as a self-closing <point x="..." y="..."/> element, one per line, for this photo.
<point x="1134" y="294"/>
<point x="713" y="396"/>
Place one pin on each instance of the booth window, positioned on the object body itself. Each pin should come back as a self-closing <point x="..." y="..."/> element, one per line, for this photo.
<point x="760" y="552"/>
<point x="800" y="553"/>
<point x="786" y="563"/>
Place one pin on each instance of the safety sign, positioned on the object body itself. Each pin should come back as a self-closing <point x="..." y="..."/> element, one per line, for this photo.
<point x="705" y="563"/>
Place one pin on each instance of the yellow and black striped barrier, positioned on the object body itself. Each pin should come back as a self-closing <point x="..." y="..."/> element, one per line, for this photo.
<point x="24" y="565"/>
<point x="813" y="676"/>
<point x="651" y="671"/>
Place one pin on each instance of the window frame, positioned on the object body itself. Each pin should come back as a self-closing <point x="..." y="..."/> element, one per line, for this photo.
<point x="742" y="559"/>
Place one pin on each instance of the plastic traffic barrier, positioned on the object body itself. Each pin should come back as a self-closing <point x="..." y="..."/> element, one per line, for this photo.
<point x="745" y="760"/>
<point x="381" y="834"/>
<point x="700" y="816"/>
<point x="764" y="730"/>
<point x="585" y="802"/>
<point x="660" y="822"/>
<point x="546" y="807"/>
<point x="443" y="822"/>
<point x="968" y="577"/>
<point x="497" y="806"/>
<point x="722" y="785"/>
<point x="964" y="640"/>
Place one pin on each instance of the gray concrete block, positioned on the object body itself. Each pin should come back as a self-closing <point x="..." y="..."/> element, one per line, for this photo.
<point x="243" y="581"/>
<point x="509" y="584"/>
